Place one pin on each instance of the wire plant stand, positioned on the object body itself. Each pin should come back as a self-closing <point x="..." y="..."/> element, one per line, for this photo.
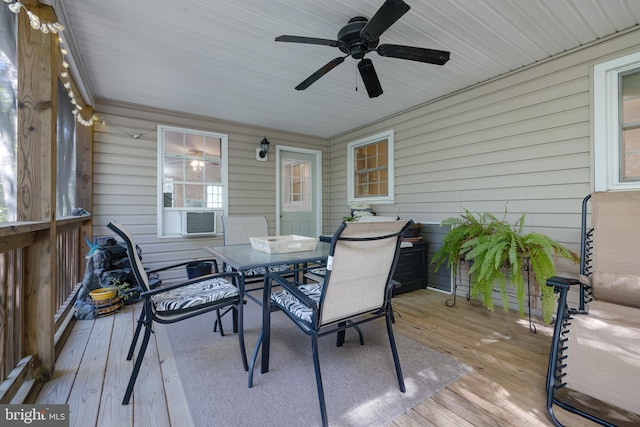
<point x="458" y="281"/>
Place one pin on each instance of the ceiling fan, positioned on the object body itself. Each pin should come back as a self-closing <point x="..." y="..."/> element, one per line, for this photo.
<point x="361" y="36"/>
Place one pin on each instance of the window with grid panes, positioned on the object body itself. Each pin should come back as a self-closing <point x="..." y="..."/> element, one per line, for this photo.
<point x="193" y="176"/>
<point x="370" y="169"/>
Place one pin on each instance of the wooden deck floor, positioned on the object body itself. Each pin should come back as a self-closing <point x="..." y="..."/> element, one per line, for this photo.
<point x="505" y="388"/>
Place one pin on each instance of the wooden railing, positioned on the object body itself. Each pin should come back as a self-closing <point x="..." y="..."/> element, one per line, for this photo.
<point x="40" y="269"/>
<point x="71" y="264"/>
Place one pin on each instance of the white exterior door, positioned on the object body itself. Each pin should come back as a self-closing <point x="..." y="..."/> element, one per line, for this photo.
<point x="299" y="198"/>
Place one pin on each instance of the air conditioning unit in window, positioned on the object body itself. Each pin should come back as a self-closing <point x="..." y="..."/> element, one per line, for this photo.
<point x="198" y="223"/>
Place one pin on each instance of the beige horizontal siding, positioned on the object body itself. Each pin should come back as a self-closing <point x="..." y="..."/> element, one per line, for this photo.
<point x="125" y="180"/>
<point x="521" y="143"/>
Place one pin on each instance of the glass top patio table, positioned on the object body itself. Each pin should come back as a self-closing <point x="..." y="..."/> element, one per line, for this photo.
<point x="243" y="258"/>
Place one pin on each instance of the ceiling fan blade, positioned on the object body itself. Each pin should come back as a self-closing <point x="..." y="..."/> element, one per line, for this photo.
<point x="388" y="13"/>
<point x="321" y="72"/>
<point x="309" y="40"/>
<point x="431" y="56"/>
<point x="370" y="78"/>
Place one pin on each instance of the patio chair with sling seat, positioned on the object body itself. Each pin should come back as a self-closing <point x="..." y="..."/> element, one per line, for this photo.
<point x="355" y="289"/>
<point x="594" y="365"/>
<point x="177" y="302"/>
<point x="238" y="230"/>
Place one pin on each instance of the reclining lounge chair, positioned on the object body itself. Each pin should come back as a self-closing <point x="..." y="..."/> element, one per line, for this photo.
<point x="594" y="365"/>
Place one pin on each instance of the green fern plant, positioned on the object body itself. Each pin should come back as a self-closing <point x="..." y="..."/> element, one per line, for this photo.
<point x="464" y="228"/>
<point x="499" y="255"/>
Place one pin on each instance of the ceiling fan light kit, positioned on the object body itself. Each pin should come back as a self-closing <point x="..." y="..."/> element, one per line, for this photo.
<point x="361" y="36"/>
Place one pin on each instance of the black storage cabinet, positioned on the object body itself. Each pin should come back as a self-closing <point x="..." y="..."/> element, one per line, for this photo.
<point x="411" y="271"/>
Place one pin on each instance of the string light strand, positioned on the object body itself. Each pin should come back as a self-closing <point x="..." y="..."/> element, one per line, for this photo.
<point x="54" y="27"/>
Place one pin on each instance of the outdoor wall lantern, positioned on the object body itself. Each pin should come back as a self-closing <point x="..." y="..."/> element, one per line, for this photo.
<point x="261" y="153"/>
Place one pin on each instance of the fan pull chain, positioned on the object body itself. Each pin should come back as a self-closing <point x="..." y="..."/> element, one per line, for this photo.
<point x="356" y="80"/>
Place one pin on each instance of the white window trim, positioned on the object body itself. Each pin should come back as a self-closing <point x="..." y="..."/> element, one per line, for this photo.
<point x="224" y="149"/>
<point x="351" y="148"/>
<point x="606" y="128"/>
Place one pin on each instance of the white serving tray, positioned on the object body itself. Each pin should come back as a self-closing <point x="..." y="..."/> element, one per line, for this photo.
<point x="283" y="244"/>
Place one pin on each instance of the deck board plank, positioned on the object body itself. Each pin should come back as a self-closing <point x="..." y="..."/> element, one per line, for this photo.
<point x="436" y="414"/>
<point x="178" y="407"/>
<point x="84" y="399"/>
<point x="59" y="387"/>
<point x="149" y="397"/>
<point x="112" y="412"/>
<point x="471" y="413"/>
<point x="151" y="407"/>
<point x="412" y="418"/>
<point x="505" y="388"/>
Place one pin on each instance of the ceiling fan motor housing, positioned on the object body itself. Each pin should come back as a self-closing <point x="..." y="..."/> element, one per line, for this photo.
<point x="352" y="42"/>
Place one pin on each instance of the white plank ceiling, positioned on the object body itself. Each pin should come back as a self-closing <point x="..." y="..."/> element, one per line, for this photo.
<point x="218" y="58"/>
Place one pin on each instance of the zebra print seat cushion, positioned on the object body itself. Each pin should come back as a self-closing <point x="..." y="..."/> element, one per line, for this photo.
<point x="287" y="301"/>
<point x="260" y="271"/>
<point x="320" y="271"/>
<point x="194" y="296"/>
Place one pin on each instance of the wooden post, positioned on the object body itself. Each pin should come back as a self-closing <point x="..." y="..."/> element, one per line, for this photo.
<point x="84" y="180"/>
<point x="37" y="182"/>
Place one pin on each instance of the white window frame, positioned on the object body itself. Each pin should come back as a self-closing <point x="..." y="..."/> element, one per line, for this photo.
<point x="606" y="126"/>
<point x="224" y="152"/>
<point x="351" y="149"/>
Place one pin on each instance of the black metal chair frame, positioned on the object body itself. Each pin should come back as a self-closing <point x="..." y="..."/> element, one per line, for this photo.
<point x="317" y="330"/>
<point x="148" y="315"/>
<point x="564" y="316"/>
<point x="251" y="283"/>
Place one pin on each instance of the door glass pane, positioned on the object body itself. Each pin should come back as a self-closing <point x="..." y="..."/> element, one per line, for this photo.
<point x="296" y="185"/>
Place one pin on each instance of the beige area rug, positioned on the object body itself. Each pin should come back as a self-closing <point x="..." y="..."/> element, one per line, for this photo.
<point x="360" y="384"/>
